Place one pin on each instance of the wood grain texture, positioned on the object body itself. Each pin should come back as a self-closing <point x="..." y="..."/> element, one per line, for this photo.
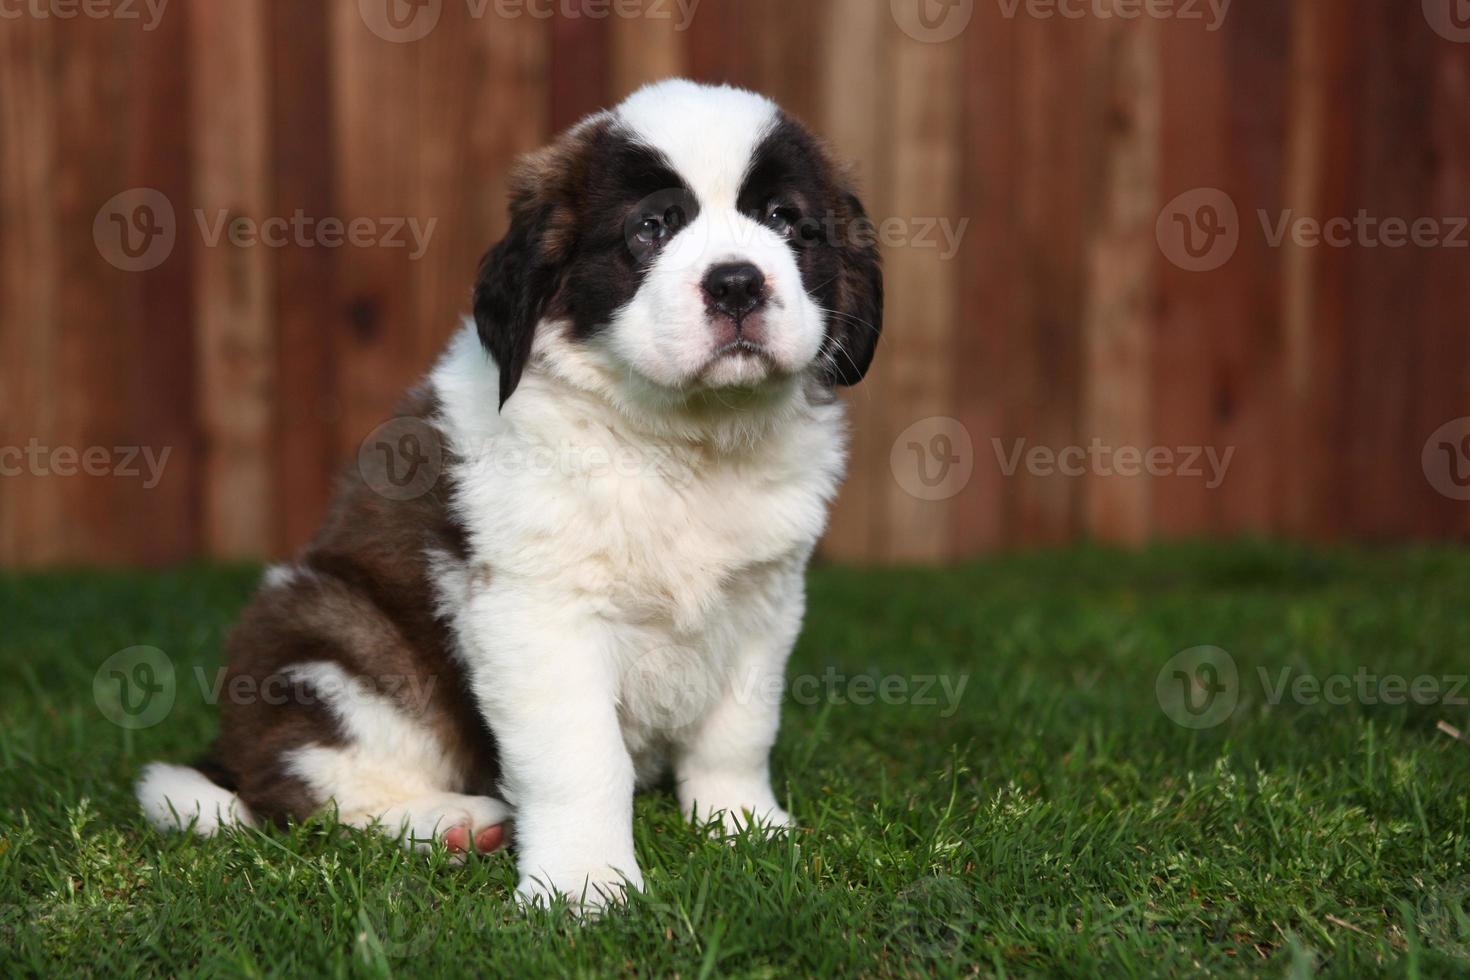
<point x="1118" y="319"/>
<point x="377" y="125"/>
<point x="646" y="48"/>
<point x="580" y="68"/>
<point x="1321" y="101"/>
<point x="32" y="518"/>
<point x="1395" y="179"/>
<point x="163" y="401"/>
<point x="235" y="309"/>
<point x="912" y="380"/>
<point x="306" y="301"/>
<point x="1196" y="307"/>
<point x="1063" y="320"/>
<point x="853" y="91"/>
<point x="1057" y="191"/>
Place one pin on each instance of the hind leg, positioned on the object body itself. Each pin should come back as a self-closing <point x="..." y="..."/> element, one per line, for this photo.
<point x="462" y="823"/>
<point x="390" y="772"/>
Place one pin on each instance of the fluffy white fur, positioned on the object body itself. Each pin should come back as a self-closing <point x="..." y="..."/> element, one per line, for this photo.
<point x="181" y="798"/>
<point x="390" y="773"/>
<point x="602" y="577"/>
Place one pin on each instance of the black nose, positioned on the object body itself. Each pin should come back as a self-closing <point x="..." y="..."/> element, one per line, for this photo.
<point x="735" y="289"/>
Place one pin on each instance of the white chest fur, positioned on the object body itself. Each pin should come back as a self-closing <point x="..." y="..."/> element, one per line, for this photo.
<point x="679" y="556"/>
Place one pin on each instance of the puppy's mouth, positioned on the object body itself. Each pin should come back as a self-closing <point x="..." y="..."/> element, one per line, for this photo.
<point x="741" y="362"/>
<point x="743" y="348"/>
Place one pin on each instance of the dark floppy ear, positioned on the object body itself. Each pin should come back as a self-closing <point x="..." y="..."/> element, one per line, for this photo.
<point x="521" y="275"/>
<point x="855" y="295"/>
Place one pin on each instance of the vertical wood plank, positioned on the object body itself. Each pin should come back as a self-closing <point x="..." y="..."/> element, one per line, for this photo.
<point x="1386" y="294"/>
<point x="235" y="289"/>
<point x="645" y="49"/>
<point x="580" y="68"/>
<point x="304" y="156"/>
<point x="165" y="521"/>
<point x="1445" y="394"/>
<point x="989" y="300"/>
<point x="1322" y="99"/>
<point x="481" y="105"/>
<point x="1194" y="305"/>
<point x="1054" y="200"/>
<point x="31" y="519"/>
<point x="375" y="94"/>
<point x="1117" y="389"/>
<point x="853" y="96"/>
<point x="100" y="332"/>
<point x="922" y="286"/>
<point x="713" y="49"/>
<point x="1249" y="399"/>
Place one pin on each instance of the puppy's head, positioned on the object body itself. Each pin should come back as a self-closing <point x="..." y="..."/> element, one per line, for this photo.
<point x="693" y="239"/>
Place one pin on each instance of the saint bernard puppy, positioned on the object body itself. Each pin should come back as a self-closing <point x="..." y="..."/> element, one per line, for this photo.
<point x="638" y="442"/>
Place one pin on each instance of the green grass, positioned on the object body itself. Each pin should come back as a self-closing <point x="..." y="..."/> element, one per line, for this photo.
<point x="1056" y="823"/>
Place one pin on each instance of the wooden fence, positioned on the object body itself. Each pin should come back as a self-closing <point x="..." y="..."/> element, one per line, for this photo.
<point x="1075" y="147"/>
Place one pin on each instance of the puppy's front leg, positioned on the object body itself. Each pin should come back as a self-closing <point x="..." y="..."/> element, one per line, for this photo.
<point x="550" y="696"/>
<point x="723" y="765"/>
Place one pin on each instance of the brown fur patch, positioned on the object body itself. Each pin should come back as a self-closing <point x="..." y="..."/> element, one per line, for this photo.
<point x="364" y="601"/>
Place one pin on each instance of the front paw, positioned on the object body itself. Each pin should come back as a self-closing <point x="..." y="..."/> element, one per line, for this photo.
<point x="587" y="890"/>
<point x="765" y="818"/>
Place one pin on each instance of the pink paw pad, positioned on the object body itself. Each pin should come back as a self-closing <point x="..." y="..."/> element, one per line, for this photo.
<point x="458" y="839"/>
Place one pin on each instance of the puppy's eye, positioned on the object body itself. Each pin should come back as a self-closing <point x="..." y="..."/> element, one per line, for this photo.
<point x="654" y="228"/>
<point x="782" y="219"/>
<point x="650" y="231"/>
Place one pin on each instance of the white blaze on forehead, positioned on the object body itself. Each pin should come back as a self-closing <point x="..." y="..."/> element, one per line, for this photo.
<point x="708" y="133"/>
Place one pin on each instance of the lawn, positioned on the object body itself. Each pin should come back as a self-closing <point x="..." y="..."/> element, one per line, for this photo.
<point x="1048" y="817"/>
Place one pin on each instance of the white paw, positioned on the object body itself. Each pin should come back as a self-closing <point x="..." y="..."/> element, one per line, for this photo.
<point x="763" y="820"/>
<point x="756" y="811"/>
<point x="588" y="890"/>
<point x="462" y="823"/>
